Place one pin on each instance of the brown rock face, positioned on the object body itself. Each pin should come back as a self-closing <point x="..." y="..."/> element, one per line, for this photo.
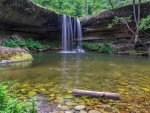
<point x="96" y="27"/>
<point x="24" y="16"/>
<point x="98" y="23"/>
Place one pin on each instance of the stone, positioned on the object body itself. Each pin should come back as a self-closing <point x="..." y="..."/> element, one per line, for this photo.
<point x="69" y="91"/>
<point x="42" y="90"/>
<point x="52" y="95"/>
<point x="25" y="85"/>
<point x="93" y="111"/>
<point x="68" y="112"/>
<point x="108" y="109"/>
<point x="68" y="97"/>
<point x="123" y="83"/>
<point x="49" y="84"/>
<point x="139" y="99"/>
<point x="71" y="103"/>
<point x="31" y="93"/>
<point x="65" y="108"/>
<point x="82" y="111"/>
<point x="145" y="89"/>
<point x="123" y="111"/>
<point x="80" y="107"/>
<point x="111" y="101"/>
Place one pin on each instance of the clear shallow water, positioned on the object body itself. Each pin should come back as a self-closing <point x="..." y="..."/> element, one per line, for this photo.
<point x="52" y="76"/>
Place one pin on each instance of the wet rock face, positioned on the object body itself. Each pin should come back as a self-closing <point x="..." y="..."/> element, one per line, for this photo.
<point x="25" y="16"/>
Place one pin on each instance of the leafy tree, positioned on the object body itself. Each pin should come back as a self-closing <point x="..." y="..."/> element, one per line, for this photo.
<point x="78" y="8"/>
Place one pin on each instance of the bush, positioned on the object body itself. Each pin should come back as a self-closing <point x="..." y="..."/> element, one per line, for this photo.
<point x="30" y="44"/>
<point x="105" y="48"/>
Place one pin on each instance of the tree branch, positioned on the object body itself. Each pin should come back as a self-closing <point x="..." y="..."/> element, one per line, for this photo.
<point x="124" y="20"/>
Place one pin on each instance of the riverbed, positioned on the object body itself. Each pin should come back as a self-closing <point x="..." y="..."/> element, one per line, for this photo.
<point x="51" y="77"/>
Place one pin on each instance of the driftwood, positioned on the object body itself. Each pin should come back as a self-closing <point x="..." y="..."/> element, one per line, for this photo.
<point x="107" y="95"/>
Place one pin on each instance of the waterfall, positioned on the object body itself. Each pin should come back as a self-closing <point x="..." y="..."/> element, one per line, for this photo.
<point x="71" y="33"/>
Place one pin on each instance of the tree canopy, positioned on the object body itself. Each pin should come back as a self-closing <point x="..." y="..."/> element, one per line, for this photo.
<point x="79" y="8"/>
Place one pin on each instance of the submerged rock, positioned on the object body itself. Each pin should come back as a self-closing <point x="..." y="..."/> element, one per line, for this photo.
<point x="93" y="111"/>
<point x="123" y="83"/>
<point x="80" y="107"/>
<point x="71" y="103"/>
<point x="82" y="111"/>
<point x="31" y="93"/>
<point x="68" y="97"/>
<point x="145" y="89"/>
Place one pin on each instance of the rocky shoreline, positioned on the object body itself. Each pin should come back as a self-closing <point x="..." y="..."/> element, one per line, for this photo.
<point x="12" y="55"/>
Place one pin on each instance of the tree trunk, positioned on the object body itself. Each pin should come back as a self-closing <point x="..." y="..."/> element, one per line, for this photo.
<point x="87" y="8"/>
<point x="107" y="95"/>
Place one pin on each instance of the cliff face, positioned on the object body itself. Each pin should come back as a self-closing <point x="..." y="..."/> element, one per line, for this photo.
<point x="96" y="28"/>
<point x="98" y="23"/>
<point x="26" y="17"/>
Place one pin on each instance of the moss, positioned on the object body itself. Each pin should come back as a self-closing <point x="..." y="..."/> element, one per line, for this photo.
<point x="21" y="57"/>
<point x="14" y="54"/>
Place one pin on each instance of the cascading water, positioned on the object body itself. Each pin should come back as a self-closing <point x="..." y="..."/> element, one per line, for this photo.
<point x="71" y="31"/>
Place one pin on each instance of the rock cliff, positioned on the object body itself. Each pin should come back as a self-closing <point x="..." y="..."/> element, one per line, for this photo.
<point x="26" y="17"/>
<point x="98" y="23"/>
<point x="96" y="28"/>
<point x="23" y="16"/>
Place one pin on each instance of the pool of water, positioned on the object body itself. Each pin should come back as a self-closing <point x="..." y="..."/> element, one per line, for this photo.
<point x="51" y="77"/>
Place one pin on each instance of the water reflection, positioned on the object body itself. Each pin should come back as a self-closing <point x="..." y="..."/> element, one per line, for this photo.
<point x="71" y="70"/>
<point x="17" y="65"/>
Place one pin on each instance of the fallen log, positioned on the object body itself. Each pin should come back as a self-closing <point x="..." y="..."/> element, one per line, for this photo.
<point x="107" y="95"/>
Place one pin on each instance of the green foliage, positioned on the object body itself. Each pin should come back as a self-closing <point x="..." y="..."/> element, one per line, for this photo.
<point x="10" y="43"/>
<point x="105" y="48"/>
<point x="10" y="104"/>
<point x="77" y="8"/>
<point x="29" y="43"/>
<point x="33" y="106"/>
<point x="145" y="23"/>
<point x="118" y="20"/>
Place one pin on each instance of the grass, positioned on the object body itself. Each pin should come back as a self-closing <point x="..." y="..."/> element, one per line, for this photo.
<point x="9" y="103"/>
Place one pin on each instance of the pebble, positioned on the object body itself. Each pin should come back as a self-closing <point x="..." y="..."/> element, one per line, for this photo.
<point x="68" y="111"/>
<point x="70" y="103"/>
<point x="108" y="109"/>
<point x="93" y="111"/>
<point x="68" y="97"/>
<point x="80" y="107"/>
<point x="82" y="111"/>
<point x="123" y="83"/>
<point x="31" y="93"/>
<point x="145" y="89"/>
